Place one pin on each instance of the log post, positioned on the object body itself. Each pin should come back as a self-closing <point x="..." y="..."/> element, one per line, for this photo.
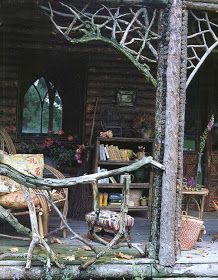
<point x="160" y="112"/>
<point x="183" y="78"/>
<point x="167" y="252"/>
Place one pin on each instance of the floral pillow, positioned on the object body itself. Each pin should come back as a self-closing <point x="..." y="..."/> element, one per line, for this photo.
<point x="26" y="164"/>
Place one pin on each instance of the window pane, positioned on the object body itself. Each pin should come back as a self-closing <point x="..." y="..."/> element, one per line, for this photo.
<point x="41" y="88"/>
<point x="31" y="112"/>
<point x="57" y="117"/>
<point x="45" y="115"/>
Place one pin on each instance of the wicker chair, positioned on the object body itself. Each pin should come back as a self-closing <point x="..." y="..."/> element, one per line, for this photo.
<point x="43" y="208"/>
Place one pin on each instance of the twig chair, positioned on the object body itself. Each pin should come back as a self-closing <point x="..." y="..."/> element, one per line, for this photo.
<point x="120" y="223"/>
<point x="43" y="208"/>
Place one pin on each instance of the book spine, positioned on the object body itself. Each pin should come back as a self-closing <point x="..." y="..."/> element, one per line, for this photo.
<point x="107" y="151"/>
<point x="102" y="152"/>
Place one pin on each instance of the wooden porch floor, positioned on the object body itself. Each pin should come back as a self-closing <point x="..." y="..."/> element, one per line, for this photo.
<point x="202" y="261"/>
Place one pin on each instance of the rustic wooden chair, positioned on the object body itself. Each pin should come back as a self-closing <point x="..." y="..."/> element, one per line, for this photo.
<point x="43" y="208"/>
<point x="118" y="223"/>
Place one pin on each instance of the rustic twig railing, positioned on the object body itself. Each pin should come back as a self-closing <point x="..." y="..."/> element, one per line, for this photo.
<point x="47" y="185"/>
<point x="130" y="30"/>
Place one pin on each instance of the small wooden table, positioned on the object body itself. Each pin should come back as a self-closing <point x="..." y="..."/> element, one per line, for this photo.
<point x="198" y="197"/>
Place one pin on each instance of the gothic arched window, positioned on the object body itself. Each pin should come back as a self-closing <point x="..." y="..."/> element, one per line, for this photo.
<point x="42" y="108"/>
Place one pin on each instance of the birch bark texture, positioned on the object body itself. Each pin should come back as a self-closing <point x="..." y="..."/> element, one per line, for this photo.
<point x="167" y="252"/>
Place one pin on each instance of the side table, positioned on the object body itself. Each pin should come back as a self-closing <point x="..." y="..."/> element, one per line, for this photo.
<point x="198" y="196"/>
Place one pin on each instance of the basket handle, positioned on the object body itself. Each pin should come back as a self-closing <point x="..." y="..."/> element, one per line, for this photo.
<point x="198" y="206"/>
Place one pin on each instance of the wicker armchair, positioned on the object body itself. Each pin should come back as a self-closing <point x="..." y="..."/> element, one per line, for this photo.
<point x="42" y="208"/>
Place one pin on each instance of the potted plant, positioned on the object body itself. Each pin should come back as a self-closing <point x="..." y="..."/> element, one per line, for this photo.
<point x="63" y="150"/>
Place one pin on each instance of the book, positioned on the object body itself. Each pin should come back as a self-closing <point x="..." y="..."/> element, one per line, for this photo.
<point x="106" y="152"/>
<point x="102" y="155"/>
<point x="113" y="180"/>
<point x="124" y="154"/>
<point x="103" y="180"/>
<point x="117" y="152"/>
<point x="114" y="203"/>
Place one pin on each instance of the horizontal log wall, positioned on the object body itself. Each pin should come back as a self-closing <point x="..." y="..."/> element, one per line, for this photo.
<point x="25" y="29"/>
<point x="106" y="75"/>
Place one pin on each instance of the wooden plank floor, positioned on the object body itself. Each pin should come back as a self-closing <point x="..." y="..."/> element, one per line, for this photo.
<point x="204" y="251"/>
<point x="202" y="261"/>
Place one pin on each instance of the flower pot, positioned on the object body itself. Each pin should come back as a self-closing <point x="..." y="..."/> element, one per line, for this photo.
<point x="144" y="201"/>
<point x="146" y="133"/>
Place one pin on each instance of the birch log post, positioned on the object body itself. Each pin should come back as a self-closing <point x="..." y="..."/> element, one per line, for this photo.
<point x="167" y="252"/>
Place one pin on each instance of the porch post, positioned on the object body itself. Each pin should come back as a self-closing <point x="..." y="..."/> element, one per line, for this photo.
<point x="167" y="252"/>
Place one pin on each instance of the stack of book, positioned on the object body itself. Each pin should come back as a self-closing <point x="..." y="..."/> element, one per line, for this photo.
<point x="115" y="198"/>
<point x="111" y="152"/>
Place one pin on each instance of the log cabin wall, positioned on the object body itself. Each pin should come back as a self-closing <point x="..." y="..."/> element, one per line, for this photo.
<point x="106" y="75"/>
<point x="27" y="37"/>
<point x="25" y="30"/>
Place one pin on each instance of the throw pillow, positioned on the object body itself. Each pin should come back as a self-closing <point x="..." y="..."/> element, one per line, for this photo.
<point x="26" y="164"/>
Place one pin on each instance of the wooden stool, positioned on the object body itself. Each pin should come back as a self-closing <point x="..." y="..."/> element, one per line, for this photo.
<point x="107" y="221"/>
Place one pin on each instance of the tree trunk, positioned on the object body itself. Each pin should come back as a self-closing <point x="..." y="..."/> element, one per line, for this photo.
<point x="167" y="253"/>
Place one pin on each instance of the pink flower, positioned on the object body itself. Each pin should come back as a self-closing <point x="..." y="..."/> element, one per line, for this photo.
<point x="60" y="132"/>
<point x="191" y="182"/>
<point x="48" y="142"/>
<point x="211" y="123"/>
<point x="70" y="138"/>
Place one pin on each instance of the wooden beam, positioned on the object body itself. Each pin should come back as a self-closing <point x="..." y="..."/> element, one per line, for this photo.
<point x="205" y="6"/>
<point x="167" y="252"/>
<point x="134" y="2"/>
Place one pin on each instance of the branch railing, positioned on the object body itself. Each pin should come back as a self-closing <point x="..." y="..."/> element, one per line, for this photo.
<point x="47" y="184"/>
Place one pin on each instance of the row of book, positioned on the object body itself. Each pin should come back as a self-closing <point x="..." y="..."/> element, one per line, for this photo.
<point x="111" y="152"/>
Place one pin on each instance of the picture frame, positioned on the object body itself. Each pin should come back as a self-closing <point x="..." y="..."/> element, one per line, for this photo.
<point x="126" y="98"/>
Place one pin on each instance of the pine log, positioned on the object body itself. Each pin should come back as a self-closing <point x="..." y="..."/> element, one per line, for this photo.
<point x="204" y="6"/>
<point x="167" y="253"/>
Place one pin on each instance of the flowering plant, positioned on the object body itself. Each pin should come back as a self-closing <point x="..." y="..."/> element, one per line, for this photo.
<point x="63" y="149"/>
<point x="203" y="139"/>
<point x="189" y="184"/>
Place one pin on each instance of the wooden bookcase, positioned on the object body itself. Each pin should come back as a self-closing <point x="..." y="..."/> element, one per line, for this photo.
<point x="111" y="159"/>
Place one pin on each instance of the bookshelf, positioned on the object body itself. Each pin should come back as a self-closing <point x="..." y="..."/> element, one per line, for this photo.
<point x="115" y="152"/>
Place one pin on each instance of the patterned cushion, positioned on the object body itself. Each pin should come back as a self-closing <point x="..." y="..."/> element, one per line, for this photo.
<point x="16" y="200"/>
<point x="25" y="163"/>
<point x="109" y="220"/>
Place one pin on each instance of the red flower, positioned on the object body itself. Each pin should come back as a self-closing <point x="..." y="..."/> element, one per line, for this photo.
<point x="60" y="132"/>
<point x="70" y="138"/>
<point x="48" y="142"/>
